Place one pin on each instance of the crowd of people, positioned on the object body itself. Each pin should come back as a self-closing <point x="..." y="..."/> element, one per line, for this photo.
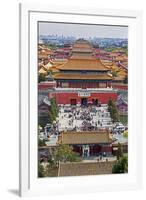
<point x="89" y="118"/>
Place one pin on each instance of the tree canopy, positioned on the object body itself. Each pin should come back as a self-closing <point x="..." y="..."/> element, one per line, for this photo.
<point x="41" y="78"/>
<point x="41" y="143"/>
<point x="121" y="166"/>
<point x="113" y="110"/>
<point x="125" y="134"/>
<point x="53" y="112"/>
<point x="126" y="80"/>
<point x="64" y="153"/>
<point x="120" y="151"/>
<point x="41" y="170"/>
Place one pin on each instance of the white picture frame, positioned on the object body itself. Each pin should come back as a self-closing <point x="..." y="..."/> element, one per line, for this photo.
<point x="30" y="185"/>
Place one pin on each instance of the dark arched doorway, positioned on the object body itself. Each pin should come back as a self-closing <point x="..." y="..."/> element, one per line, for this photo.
<point x="84" y="101"/>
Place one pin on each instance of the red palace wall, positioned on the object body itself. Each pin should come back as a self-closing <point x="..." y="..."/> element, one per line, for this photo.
<point x="103" y="98"/>
<point x="106" y="149"/>
<point x="94" y="150"/>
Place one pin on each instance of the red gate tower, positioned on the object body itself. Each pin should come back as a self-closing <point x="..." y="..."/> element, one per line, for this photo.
<point x="83" y="79"/>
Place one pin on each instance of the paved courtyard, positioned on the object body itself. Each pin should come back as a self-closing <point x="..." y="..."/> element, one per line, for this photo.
<point x="83" y="118"/>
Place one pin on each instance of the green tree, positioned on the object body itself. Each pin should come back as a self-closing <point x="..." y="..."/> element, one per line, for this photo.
<point x="115" y="73"/>
<point x="43" y="120"/>
<point x="49" y="73"/>
<point x="65" y="153"/>
<point x="113" y="110"/>
<point x="119" y="151"/>
<point x="41" y="170"/>
<point x="51" y="170"/>
<point x="52" y="46"/>
<point x="125" y="134"/>
<point x="54" y="106"/>
<point x="41" y="143"/>
<point x="126" y="80"/>
<point x="41" y="78"/>
<point x="121" y="166"/>
<point x="50" y="117"/>
<point x="53" y="112"/>
<point x="115" y="116"/>
<point x="110" y="103"/>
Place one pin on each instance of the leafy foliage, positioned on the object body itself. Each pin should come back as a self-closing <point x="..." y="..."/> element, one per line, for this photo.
<point x="125" y="134"/>
<point x="41" y="78"/>
<point x="64" y="153"/>
<point x="53" y="113"/>
<point x="50" y="117"/>
<point x="123" y="119"/>
<point x="126" y="80"/>
<point x="119" y="152"/>
<point x="41" y="170"/>
<point x="43" y="120"/>
<point x="113" y="111"/>
<point x="51" y="170"/>
<point x="115" y="73"/>
<point x="121" y="166"/>
<point x="41" y="143"/>
<point x="52" y="46"/>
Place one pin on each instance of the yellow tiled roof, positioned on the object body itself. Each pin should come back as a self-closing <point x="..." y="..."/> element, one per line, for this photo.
<point x="118" y="78"/>
<point x="86" y="137"/>
<point x="122" y="73"/>
<point x="85" y="45"/>
<point x="54" y="69"/>
<point x="42" y="71"/>
<point x="82" y="76"/>
<point x="83" y="64"/>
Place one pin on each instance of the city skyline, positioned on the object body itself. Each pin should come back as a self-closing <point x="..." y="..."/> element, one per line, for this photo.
<point x="83" y="30"/>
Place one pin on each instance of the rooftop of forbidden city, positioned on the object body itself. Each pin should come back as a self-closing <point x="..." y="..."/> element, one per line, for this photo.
<point x="81" y="45"/>
<point x="83" y="64"/>
<point x="85" y="137"/>
<point x="74" y="76"/>
<point x="83" y="50"/>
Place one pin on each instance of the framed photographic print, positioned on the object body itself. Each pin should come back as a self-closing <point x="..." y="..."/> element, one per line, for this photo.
<point x="80" y="100"/>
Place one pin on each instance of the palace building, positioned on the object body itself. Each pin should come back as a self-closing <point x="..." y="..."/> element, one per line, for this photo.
<point x="83" y="79"/>
<point x="88" y="143"/>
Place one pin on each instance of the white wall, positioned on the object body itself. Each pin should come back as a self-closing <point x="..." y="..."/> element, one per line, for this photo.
<point x="9" y="95"/>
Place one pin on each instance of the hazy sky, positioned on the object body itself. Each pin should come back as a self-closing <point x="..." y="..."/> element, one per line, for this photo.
<point x="83" y="31"/>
